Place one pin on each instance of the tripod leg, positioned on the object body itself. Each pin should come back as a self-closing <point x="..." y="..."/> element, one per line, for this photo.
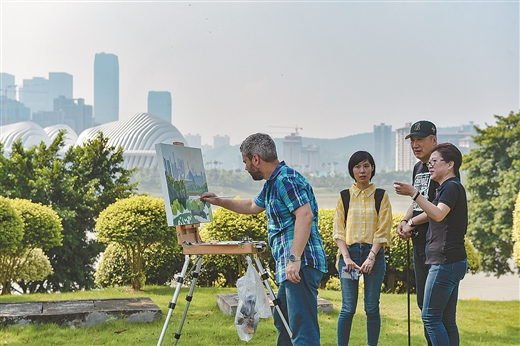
<point x="171" y="306"/>
<point x="195" y="276"/>
<point x="275" y="300"/>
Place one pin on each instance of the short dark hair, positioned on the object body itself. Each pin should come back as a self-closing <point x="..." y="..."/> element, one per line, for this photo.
<point x="360" y="156"/>
<point x="260" y="144"/>
<point x="450" y="152"/>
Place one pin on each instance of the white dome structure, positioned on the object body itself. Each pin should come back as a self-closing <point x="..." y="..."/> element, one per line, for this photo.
<point x="30" y="133"/>
<point x="137" y="135"/>
<point x="71" y="137"/>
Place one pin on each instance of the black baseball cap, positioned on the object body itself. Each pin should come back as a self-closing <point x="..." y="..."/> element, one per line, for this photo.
<point x="422" y="128"/>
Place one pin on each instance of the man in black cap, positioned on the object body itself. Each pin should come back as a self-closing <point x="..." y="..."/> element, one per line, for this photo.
<point x="423" y="138"/>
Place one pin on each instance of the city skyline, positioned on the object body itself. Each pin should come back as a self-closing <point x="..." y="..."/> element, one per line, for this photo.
<point x="333" y="69"/>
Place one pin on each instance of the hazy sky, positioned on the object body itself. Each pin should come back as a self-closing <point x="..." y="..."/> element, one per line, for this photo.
<point x="233" y="68"/>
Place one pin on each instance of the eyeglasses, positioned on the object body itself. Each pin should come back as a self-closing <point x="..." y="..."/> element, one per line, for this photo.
<point x="432" y="163"/>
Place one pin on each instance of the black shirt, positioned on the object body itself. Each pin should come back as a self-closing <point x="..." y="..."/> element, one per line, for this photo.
<point x="445" y="241"/>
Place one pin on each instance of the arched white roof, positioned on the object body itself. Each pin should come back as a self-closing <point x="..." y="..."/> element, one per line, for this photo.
<point x="31" y="134"/>
<point x="137" y="135"/>
<point x="71" y="137"/>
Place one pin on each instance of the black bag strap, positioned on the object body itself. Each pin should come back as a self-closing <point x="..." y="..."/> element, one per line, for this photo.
<point x="345" y="197"/>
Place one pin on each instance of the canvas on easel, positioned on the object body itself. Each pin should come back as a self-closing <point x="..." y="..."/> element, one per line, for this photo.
<point x="183" y="180"/>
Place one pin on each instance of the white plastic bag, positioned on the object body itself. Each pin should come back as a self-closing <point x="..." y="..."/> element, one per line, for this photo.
<point x="253" y="303"/>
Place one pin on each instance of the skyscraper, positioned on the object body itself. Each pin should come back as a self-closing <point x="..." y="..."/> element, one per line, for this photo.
<point x="106" y="88"/>
<point x="404" y="158"/>
<point x="160" y="104"/>
<point x="60" y="84"/>
<point x="34" y="94"/>
<point x="383" y="146"/>
<point x="39" y="93"/>
<point x="220" y="141"/>
<point x="7" y="86"/>
<point x="193" y="140"/>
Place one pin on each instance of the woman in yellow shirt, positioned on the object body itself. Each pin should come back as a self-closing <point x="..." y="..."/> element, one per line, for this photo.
<point x="361" y="238"/>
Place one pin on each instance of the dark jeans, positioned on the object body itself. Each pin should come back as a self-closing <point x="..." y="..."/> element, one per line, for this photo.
<point x="440" y="302"/>
<point x="299" y="304"/>
<point x="421" y="273"/>
<point x="349" y="294"/>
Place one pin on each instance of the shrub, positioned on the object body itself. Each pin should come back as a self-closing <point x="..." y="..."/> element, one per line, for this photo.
<point x="136" y="224"/>
<point x="160" y="264"/>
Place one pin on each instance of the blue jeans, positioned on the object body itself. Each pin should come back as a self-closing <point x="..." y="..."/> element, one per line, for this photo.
<point x="299" y="304"/>
<point x="349" y="294"/>
<point x="440" y="302"/>
<point x="420" y="269"/>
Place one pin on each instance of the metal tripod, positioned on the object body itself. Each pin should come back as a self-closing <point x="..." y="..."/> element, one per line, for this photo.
<point x="195" y="275"/>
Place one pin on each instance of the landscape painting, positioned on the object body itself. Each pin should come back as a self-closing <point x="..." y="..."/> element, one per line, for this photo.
<point x="183" y="180"/>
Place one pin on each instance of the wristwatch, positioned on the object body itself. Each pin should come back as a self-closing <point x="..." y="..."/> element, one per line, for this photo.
<point x="294" y="258"/>
<point x="410" y="222"/>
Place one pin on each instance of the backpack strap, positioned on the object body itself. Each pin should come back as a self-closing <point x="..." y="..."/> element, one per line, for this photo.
<point x="379" y="197"/>
<point x="345" y="197"/>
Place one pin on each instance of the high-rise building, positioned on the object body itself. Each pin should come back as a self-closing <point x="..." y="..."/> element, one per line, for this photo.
<point x="193" y="140"/>
<point x="383" y="146"/>
<point x="7" y="86"/>
<point x="71" y="112"/>
<point x="106" y="88"/>
<point x="404" y="158"/>
<point x="13" y="111"/>
<point x="220" y="141"/>
<point x="39" y="93"/>
<point x="160" y="104"/>
<point x="34" y="94"/>
<point x="60" y="84"/>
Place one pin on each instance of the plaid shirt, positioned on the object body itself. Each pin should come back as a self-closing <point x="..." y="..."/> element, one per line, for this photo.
<point x="285" y="191"/>
<point x="364" y="225"/>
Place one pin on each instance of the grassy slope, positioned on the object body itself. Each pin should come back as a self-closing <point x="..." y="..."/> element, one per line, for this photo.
<point x="480" y="322"/>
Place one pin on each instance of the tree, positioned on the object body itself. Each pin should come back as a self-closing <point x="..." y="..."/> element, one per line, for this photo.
<point x="516" y="232"/>
<point x="41" y="230"/>
<point x="77" y="185"/>
<point x="492" y="182"/>
<point x="135" y="223"/>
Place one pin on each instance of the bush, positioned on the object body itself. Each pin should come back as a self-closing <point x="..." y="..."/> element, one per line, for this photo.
<point x="136" y="224"/>
<point x="325" y="224"/>
<point x="160" y="262"/>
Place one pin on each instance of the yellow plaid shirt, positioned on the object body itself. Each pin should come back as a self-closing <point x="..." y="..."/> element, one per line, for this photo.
<point x="364" y="225"/>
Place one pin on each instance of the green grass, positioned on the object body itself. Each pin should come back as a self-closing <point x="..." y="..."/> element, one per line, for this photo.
<point x="480" y="322"/>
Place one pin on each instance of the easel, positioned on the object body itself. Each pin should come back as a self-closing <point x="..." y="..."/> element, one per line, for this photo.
<point x="188" y="237"/>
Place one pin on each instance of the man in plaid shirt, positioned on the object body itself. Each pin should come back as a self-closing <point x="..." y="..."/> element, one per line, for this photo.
<point x="292" y="226"/>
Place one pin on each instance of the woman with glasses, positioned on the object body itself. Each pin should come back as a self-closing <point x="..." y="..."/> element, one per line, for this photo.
<point x="362" y="228"/>
<point x="445" y="252"/>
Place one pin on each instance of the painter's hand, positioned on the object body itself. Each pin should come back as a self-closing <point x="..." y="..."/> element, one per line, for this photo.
<point x="208" y="197"/>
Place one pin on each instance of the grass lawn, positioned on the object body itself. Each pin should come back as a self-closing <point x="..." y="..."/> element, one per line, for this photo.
<point x="480" y="322"/>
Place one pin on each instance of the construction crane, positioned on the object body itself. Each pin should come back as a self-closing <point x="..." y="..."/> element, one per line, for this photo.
<point x="296" y="128"/>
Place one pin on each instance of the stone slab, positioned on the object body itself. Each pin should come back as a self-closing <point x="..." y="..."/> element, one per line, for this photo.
<point x="79" y="313"/>
<point x="228" y="303"/>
